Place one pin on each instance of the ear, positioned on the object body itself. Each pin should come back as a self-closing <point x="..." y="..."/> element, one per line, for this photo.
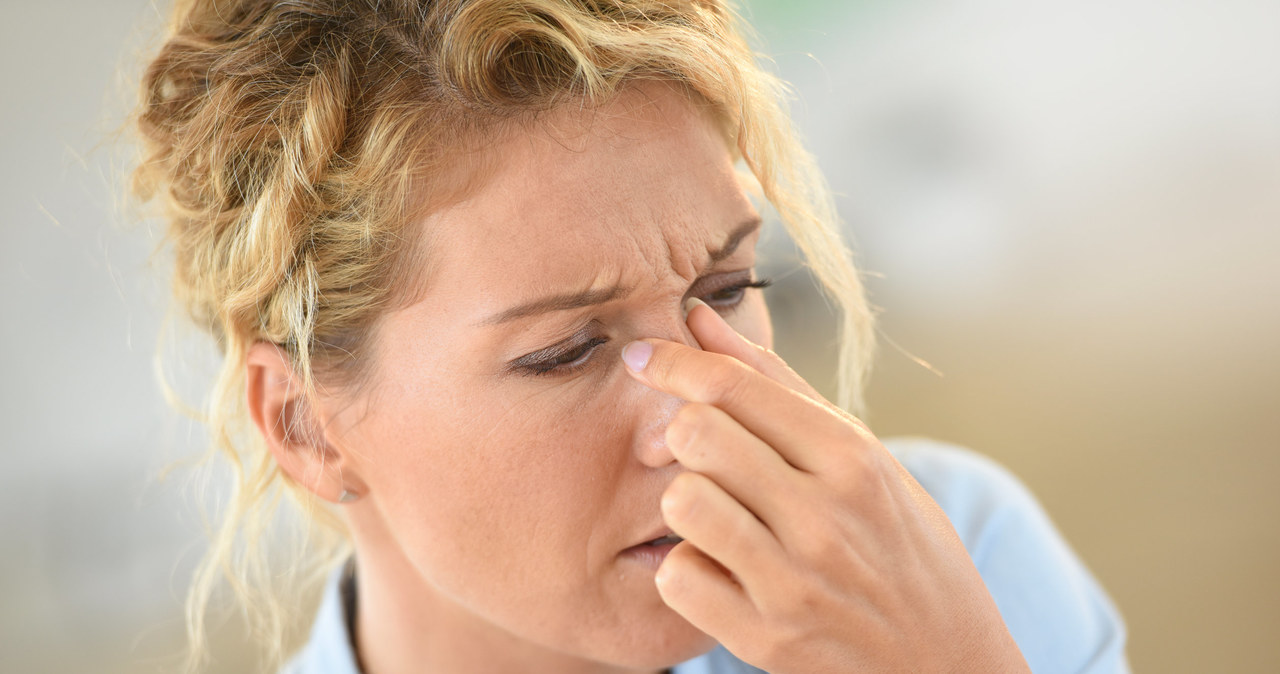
<point x="291" y="429"/>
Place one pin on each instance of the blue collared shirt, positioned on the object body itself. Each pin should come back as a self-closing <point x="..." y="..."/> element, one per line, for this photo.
<point x="1060" y="617"/>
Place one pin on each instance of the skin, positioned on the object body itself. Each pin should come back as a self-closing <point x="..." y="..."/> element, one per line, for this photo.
<point x="496" y="506"/>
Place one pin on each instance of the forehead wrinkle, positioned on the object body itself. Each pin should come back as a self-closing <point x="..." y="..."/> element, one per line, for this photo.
<point x="671" y="256"/>
<point x="641" y="250"/>
<point x="671" y="219"/>
<point x="715" y="247"/>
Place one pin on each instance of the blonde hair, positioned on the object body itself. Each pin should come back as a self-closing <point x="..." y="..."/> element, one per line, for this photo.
<point x="289" y="144"/>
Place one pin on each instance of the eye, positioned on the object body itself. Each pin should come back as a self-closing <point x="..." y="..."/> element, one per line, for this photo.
<point x="559" y="360"/>
<point x="729" y="297"/>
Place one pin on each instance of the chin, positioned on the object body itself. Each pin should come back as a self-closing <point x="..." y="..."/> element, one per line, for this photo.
<point x="661" y="642"/>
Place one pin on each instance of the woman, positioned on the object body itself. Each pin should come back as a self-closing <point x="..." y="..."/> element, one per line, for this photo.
<point x="482" y="274"/>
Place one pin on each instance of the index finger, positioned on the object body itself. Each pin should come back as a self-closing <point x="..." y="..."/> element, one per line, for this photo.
<point x="713" y="333"/>
<point x="796" y="426"/>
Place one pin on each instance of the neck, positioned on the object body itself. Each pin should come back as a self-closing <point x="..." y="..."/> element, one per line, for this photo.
<point x="404" y="626"/>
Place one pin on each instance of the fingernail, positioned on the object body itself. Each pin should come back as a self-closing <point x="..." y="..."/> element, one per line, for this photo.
<point x="689" y="304"/>
<point x="636" y="355"/>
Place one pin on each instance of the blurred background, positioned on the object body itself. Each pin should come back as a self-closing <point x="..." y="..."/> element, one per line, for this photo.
<point x="1070" y="210"/>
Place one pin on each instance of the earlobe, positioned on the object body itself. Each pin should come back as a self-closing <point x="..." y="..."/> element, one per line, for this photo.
<point x="289" y="426"/>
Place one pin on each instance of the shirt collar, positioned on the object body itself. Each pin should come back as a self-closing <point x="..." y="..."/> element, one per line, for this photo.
<point x="329" y="649"/>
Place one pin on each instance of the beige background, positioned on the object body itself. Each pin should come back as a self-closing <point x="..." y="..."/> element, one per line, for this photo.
<point x="1070" y="210"/>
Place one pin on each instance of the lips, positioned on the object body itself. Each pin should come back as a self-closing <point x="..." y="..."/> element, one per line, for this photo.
<point x="661" y="535"/>
<point x="654" y="549"/>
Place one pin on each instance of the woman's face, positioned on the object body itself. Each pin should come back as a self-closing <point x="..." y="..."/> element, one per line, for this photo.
<point x="510" y="466"/>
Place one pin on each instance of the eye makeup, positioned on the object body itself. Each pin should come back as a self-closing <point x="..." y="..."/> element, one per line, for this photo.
<point x="563" y="358"/>
<point x="729" y="297"/>
<point x="576" y="353"/>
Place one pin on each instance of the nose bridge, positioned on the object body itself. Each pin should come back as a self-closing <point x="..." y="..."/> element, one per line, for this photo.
<point x="654" y="409"/>
<point x="671" y="325"/>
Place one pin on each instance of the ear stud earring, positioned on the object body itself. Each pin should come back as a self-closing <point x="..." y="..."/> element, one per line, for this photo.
<point x="347" y="497"/>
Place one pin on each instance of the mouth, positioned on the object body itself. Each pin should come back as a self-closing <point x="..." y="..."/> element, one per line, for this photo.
<point x="651" y="552"/>
<point x="669" y="539"/>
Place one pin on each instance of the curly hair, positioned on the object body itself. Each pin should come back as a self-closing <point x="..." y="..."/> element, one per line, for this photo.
<point x="289" y="144"/>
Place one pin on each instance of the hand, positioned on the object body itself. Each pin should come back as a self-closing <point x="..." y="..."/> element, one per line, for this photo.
<point x="808" y="547"/>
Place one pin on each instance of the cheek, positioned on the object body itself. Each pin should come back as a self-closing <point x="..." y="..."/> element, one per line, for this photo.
<point x="498" y="476"/>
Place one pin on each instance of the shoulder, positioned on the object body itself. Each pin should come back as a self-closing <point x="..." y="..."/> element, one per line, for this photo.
<point x="1056" y="610"/>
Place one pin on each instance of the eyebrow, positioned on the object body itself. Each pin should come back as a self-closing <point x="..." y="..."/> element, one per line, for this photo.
<point x="575" y="300"/>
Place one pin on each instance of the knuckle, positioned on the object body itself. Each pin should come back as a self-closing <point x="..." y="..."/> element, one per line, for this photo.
<point x="682" y="432"/>
<point x="855" y="466"/>
<point x="688" y="414"/>
<point x="811" y="545"/>
<point x="808" y="601"/>
<point x="820" y="546"/>
<point x="725" y="384"/>
<point x="673" y="576"/>
<point x="851" y="435"/>
<point x="849" y="469"/>
<point x="675" y="568"/>
<point x="680" y="500"/>
<point x="740" y="535"/>
<point x="690" y="433"/>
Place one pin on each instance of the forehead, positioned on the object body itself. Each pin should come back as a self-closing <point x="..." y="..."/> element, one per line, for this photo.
<point x="643" y="186"/>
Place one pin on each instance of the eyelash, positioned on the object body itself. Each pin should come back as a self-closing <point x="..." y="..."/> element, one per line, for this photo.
<point x="576" y="358"/>
<point x="567" y="361"/>
<point x="739" y="291"/>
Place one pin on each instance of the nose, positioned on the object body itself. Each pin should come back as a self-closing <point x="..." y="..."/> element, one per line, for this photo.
<point x="650" y="439"/>
<point x="655" y="409"/>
